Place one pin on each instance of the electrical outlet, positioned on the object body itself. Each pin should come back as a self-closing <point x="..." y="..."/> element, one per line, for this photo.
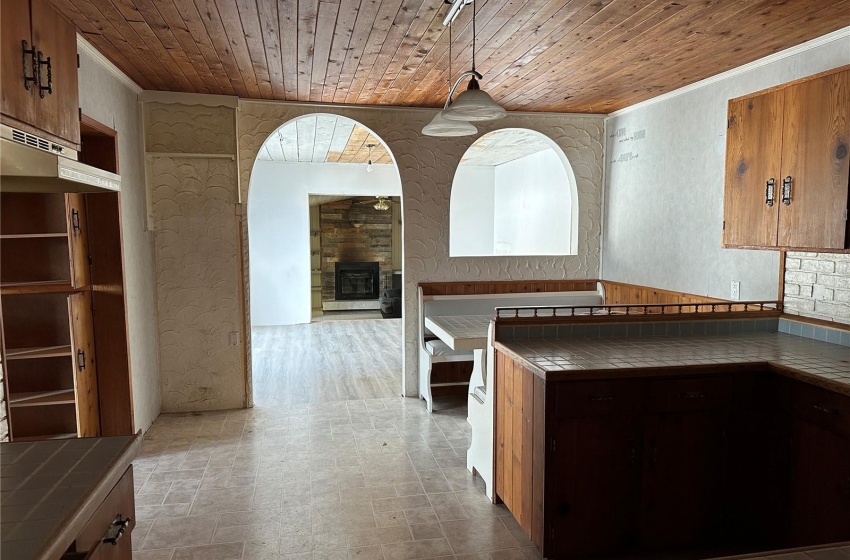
<point x="736" y="290"/>
<point x="234" y="338"/>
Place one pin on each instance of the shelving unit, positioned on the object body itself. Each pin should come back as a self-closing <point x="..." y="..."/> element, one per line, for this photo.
<point x="50" y="372"/>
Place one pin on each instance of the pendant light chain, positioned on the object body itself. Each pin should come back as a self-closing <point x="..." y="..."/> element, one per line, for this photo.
<point x="473" y="35"/>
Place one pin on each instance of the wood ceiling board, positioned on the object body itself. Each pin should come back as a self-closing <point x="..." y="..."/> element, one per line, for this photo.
<point x="319" y="199"/>
<point x="580" y="55"/>
<point x="342" y="132"/>
<point x="325" y="126"/>
<point x="306" y="130"/>
<point x="504" y="146"/>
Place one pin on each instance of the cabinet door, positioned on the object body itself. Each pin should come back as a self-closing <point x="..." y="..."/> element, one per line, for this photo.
<point x="58" y="113"/>
<point x="683" y="482"/>
<point x="16" y="100"/>
<point x="820" y="494"/>
<point x="596" y="486"/>
<point x="753" y="152"/>
<point x="78" y="245"/>
<point x="85" y="366"/>
<point x="816" y="140"/>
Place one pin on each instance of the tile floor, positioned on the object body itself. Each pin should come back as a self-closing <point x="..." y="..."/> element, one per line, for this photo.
<point x="366" y="479"/>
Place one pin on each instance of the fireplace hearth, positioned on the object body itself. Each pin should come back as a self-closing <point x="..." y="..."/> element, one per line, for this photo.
<point x="356" y="280"/>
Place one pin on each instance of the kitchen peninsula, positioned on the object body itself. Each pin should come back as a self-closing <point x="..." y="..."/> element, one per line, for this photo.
<point x="696" y="430"/>
<point x="68" y="499"/>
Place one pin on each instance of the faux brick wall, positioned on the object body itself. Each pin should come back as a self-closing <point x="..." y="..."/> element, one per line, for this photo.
<point x="341" y="241"/>
<point x="818" y="285"/>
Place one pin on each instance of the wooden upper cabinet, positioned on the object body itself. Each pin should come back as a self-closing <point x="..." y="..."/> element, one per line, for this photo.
<point x="50" y="107"/>
<point x="753" y="160"/>
<point x="816" y="140"/>
<point x="787" y="166"/>
<point x="17" y="95"/>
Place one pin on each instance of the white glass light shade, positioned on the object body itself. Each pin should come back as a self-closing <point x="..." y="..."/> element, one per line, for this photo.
<point x="474" y="105"/>
<point x="442" y="127"/>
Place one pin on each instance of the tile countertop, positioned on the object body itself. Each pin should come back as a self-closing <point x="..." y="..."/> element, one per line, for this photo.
<point x="50" y="489"/>
<point x="821" y="363"/>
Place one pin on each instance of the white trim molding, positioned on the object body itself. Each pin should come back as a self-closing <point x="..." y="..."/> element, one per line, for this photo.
<point x="205" y="99"/>
<point x="802" y="47"/>
<point x="84" y="46"/>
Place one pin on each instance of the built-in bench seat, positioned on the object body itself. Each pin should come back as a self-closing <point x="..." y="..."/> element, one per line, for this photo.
<point x="432" y="350"/>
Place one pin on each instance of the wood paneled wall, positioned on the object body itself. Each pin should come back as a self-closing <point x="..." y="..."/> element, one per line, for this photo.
<point x="506" y="287"/>
<point x="520" y="443"/>
<point x="618" y="293"/>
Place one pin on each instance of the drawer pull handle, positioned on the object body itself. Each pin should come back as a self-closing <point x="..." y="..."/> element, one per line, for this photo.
<point x="770" y="191"/>
<point x="30" y="64"/>
<point x="116" y="530"/>
<point x="75" y="220"/>
<point x="826" y="409"/>
<point x="693" y="395"/>
<point x="600" y="398"/>
<point x="786" y="191"/>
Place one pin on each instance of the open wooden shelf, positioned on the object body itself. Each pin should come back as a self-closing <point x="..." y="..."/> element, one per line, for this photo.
<point x="33" y="235"/>
<point x="70" y="435"/>
<point x="41" y="287"/>
<point x="38" y="352"/>
<point x="42" y="398"/>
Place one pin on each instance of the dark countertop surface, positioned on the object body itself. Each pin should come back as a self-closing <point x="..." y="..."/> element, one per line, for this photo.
<point x="821" y="363"/>
<point x="49" y="490"/>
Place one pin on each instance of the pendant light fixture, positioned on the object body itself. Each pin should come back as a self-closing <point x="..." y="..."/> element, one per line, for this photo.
<point x="474" y="104"/>
<point x="443" y="127"/>
<point x="369" y="165"/>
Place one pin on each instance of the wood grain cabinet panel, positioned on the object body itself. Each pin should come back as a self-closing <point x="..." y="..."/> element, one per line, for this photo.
<point x="815" y="145"/>
<point x="788" y="167"/>
<point x="753" y="160"/>
<point x="50" y="107"/>
<point x="85" y="367"/>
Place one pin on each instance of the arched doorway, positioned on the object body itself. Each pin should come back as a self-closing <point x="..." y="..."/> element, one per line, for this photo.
<point x="324" y="236"/>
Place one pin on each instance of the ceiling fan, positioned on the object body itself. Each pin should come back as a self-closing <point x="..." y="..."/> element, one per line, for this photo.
<point x="380" y="203"/>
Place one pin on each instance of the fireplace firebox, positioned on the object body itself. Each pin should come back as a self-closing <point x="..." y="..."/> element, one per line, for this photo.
<point x="356" y="280"/>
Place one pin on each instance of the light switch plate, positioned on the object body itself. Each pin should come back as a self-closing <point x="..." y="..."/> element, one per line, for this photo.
<point x="736" y="290"/>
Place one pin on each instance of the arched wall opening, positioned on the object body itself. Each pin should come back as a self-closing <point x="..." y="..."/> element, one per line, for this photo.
<point x="513" y="194"/>
<point x="287" y="177"/>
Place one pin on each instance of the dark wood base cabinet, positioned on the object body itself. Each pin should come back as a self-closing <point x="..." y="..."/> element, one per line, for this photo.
<point x="698" y="465"/>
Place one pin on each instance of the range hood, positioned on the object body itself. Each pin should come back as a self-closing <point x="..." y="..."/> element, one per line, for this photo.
<point x="29" y="163"/>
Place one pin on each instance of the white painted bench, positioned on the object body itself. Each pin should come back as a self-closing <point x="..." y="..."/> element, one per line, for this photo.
<point x="433" y="350"/>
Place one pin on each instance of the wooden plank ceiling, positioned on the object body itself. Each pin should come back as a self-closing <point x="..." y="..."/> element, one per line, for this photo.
<point x="542" y="55"/>
<point x="504" y="145"/>
<point x="324" y="139"/>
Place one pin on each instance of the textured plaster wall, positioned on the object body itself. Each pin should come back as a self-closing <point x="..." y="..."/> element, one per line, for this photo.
<point x="426" y="166"/>
<point x="197" y="223"/>
<point x="664" y="192"/>
<point x="106" y="99"/>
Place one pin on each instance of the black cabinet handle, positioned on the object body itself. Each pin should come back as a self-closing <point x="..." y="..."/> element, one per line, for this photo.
<point x="116" y="530"/>
<point x="600" y="398"/>
<point x="81" y="360"/>
<point x="826" y="409"/>
<point x="692" y="395"/>
<point x="41" y="87"/>
<point x="75" y="219"/>
<point x="770" y="191"/>
<point x="29" y="64"/>
<point x="786" y="191"/>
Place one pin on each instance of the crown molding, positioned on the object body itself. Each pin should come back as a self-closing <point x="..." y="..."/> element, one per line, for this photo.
<point x="802" y="47"/>
<point x="84" y="46"/>
<point x="205" y="99"/>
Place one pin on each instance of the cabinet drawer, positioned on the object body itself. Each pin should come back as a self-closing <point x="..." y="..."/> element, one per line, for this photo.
<point x="119" y="502"/>
<point x="599" y="398"/>
<point x="823" y="408"/>
<point x="694" y="393"/>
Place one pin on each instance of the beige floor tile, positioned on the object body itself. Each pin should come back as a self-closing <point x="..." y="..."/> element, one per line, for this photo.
<point x="400" y="503"/>
<point x="221" y="500"/>
<point x="180" y="531"/>
<point x="230" y="551"/>
<point x="164" y="554"/>
<point x="426" y="531"/>
<point x="380" y="535"/>
<point x="390" y="519"/>
<point x="416" y="550"/>
<point x="477" y="535"/>
<point x="366" y="553"/>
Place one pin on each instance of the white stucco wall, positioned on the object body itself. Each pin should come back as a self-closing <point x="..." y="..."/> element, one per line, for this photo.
<point x="471" y="212"/>
<point x="665" y="166"/>
<point x="108" y="100"/>
<point x="532" y="207"/>
<point x="279" y="229"/>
